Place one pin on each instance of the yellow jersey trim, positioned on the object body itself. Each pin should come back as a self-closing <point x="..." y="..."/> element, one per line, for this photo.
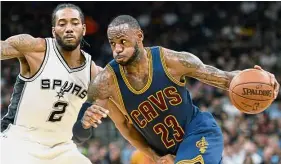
<point x="167" y="72"/>
<point x="150" y="75"/>
<point x="198" y="158"/>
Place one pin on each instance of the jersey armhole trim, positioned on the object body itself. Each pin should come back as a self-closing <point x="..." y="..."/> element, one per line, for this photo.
<point x="42" y="66"/>
<point x="182" y="84"/>
<point x="123" y="110"/>
<point x="90" y="60"/>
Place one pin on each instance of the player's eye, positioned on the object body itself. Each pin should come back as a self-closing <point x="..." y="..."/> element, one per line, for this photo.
<point x="61" y="24"/>
<point x="112" y="44"/>
<point x="123" y="41"/>
<point x="75" y="23"/>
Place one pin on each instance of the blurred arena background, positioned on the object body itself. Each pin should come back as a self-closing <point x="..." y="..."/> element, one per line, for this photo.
<point x="228" y="35"/>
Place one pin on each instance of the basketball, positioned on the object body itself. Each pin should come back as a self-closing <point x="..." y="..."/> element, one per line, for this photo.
<point x="251" y="91"/>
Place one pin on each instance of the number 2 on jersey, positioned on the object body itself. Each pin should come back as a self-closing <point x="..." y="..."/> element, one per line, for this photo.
<point x="57" y="114"/>
<point x="169" y="122"/>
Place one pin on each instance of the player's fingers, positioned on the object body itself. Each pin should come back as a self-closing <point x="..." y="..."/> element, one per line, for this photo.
<point x="276" y="91"/>
<point x="101" y="110"/>
<point x="93" y="118"/>
<point x="272" y="79"/>
<point x="95" y="125"/>
<point x="94" y="111"/>
<point x="96" y="119"/>
<point x="88" y="120"/>
<point x="258" y="67"/>
<point x="163" y="161"/>
<point x="273" y="83"/>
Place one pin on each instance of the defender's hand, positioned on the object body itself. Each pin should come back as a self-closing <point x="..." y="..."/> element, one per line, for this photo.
<point x="274" y="82"/>
<point x="93" y="116"/>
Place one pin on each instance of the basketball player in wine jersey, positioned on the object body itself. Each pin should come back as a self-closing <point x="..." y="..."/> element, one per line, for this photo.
<point x="149" y="103"/>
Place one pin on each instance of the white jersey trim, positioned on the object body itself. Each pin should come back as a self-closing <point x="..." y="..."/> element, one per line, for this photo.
<point x="46" y="56"/>
<point x="70" y="70"/>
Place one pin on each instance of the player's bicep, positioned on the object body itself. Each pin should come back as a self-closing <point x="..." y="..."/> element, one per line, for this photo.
<point x="20" y="45"/>
<point x="8" y="51"/>
<point x="182" y="63"/>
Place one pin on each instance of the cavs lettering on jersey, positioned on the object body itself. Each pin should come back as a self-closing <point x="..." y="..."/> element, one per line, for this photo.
<point x="160" y="111"/>
<point x="45" y="107"/>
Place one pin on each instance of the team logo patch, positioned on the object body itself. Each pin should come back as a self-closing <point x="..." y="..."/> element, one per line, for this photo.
<point x="202" y="144"/>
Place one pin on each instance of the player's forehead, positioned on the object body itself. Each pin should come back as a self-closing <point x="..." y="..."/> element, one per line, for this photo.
<point x="67" y="13"/>
<point x="116" y="32"/>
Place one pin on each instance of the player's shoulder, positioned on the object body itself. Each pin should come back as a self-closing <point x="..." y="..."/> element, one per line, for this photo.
<point x="105" y="75"/>
<point x="103" y="83"/>
<point x="174" y="55"/>
<point x="33" y="44"/>
<point x="167" y="54"/>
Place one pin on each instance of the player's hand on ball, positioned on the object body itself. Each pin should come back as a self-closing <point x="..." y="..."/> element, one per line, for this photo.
<point x="167" y="159"/>
<point x="274" y="82"/>
<point x="93" y="116"/>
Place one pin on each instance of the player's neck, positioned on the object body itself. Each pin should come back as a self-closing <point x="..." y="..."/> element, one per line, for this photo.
<point x="72" y="58"/>
<point x="140" y="64"/>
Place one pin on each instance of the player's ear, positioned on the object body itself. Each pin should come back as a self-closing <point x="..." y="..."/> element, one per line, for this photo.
<point x="84" y="29"/>
<point x="53" y="32"/>
<point x="140" y="35"/>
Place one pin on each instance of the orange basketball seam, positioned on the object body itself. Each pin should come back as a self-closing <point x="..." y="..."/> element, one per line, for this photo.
<point x="239" y="74"/>
<point x="254" y="83"/>
<point x="240" y="107"/>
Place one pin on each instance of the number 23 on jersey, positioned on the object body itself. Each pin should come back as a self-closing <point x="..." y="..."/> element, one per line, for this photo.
<point x="162" y="129"/>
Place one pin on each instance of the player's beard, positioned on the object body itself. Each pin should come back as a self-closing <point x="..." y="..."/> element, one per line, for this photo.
<point x="133" y="58"/>
<point x="66" y="46"/>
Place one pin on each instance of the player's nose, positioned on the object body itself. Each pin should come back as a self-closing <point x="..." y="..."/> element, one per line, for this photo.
<point x="69" y="28"/>
<point x="118" y="48"/>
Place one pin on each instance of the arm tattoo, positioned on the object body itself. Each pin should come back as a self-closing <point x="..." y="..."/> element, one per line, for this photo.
<point x="17" y="45"/>
<point x="194" y="67"/>
<point x="8" y="52"/>
<point x="184" y="58"/>
<point x="99" y="87"/>
<point x="212" y="76"/>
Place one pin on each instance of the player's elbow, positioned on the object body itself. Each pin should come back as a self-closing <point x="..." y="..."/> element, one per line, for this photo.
<point x="124" y="127"/>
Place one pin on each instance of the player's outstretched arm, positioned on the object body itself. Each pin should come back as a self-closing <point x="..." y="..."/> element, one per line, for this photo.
<point x="186" y="64"/>
<point x="20" y="45"/>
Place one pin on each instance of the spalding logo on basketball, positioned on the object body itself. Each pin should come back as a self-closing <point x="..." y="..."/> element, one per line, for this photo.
<point x="251" y="91"/>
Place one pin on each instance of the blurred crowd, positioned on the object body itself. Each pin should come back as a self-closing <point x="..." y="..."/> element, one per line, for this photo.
<point x="227" y="35"/>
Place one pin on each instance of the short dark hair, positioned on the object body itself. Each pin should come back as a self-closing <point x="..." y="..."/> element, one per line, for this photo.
<point x="67" y="5"/>
<point x="125" y="19"/>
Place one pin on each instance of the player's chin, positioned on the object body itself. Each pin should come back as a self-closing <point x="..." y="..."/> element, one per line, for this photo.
<point x="71" y="41"/>
<point x="121" y="63"/>
<point x="70" y="47"/>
